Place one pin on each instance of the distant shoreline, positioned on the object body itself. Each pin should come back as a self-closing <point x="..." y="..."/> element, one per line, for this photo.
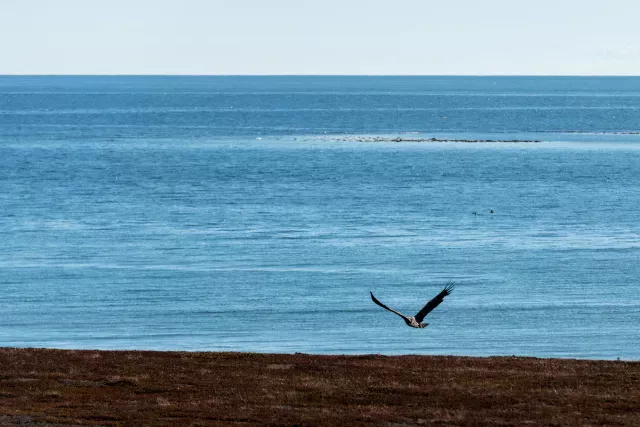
<point x="84" y="387"/>
<point x="406" y="139"/>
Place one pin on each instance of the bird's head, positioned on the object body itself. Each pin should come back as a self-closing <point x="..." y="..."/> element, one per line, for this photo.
<point x="424" y="325"/>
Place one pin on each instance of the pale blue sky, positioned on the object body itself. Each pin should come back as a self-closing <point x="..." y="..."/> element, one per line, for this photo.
<point x="320" y="37"/>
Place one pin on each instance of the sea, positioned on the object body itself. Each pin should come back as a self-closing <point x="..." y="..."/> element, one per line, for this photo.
<point x="257" y="213"/>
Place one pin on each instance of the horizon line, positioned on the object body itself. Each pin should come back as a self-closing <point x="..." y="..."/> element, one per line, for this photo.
<point x="304" y="75"/>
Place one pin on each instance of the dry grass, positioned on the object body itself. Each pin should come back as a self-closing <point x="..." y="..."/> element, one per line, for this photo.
<point x="123" y="388"/>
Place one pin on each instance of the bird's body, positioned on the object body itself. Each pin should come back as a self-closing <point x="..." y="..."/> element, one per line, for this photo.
<point x="411" y="321"/>
<point x="416" y="321"/>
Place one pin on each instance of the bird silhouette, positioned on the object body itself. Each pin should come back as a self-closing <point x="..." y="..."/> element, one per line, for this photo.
<point x="416" y="321"/>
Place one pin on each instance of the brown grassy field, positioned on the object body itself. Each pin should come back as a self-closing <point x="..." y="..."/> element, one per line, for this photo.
<point x="122" y="388"/>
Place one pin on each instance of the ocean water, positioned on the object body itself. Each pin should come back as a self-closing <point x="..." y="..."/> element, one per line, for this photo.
<point x="252" y="214"/>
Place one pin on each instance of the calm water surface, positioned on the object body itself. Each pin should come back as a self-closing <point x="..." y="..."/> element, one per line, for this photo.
<point x="240" y="214"/>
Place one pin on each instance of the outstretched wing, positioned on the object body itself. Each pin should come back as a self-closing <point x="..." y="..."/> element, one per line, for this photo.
<point x="385" y="307"/>
<point x="434" y="302"/>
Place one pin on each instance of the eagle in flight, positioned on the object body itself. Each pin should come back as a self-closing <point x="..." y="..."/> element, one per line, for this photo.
<point x="416" y="321"/>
